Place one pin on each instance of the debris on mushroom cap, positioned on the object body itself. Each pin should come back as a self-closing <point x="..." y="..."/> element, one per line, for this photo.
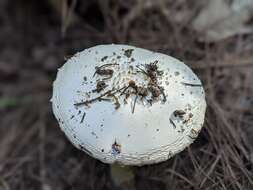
<point x="123" y="104"/>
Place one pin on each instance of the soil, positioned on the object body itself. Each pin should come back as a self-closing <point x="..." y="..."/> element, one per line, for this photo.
<point x="35" y="39"/>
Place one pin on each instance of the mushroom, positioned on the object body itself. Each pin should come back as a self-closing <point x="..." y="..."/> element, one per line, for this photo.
<point x="128" y="106"/>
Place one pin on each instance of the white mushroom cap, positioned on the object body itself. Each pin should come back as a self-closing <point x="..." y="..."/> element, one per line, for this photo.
<point x="112" y="129"/>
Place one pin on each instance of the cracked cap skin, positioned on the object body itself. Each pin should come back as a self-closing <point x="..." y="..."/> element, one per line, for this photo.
<point x="126" y="120"/>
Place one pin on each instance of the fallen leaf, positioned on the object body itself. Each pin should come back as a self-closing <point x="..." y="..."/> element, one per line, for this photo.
<point x="220" y="20"/>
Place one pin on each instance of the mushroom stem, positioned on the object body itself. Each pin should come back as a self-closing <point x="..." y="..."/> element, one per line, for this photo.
<point x="122" y="176"/>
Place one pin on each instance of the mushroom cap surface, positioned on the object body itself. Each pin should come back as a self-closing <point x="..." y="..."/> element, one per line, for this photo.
<point x="124" y="104"/>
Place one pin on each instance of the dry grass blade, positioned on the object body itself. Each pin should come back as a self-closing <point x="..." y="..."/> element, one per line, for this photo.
<point x="34" y="152"/>
<point x="225" y="63"/>
<point x="67" y="15"/>
<point x="180" y="176"/>
<point x="4" y="185"/>
<point x="210" y="171"/>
